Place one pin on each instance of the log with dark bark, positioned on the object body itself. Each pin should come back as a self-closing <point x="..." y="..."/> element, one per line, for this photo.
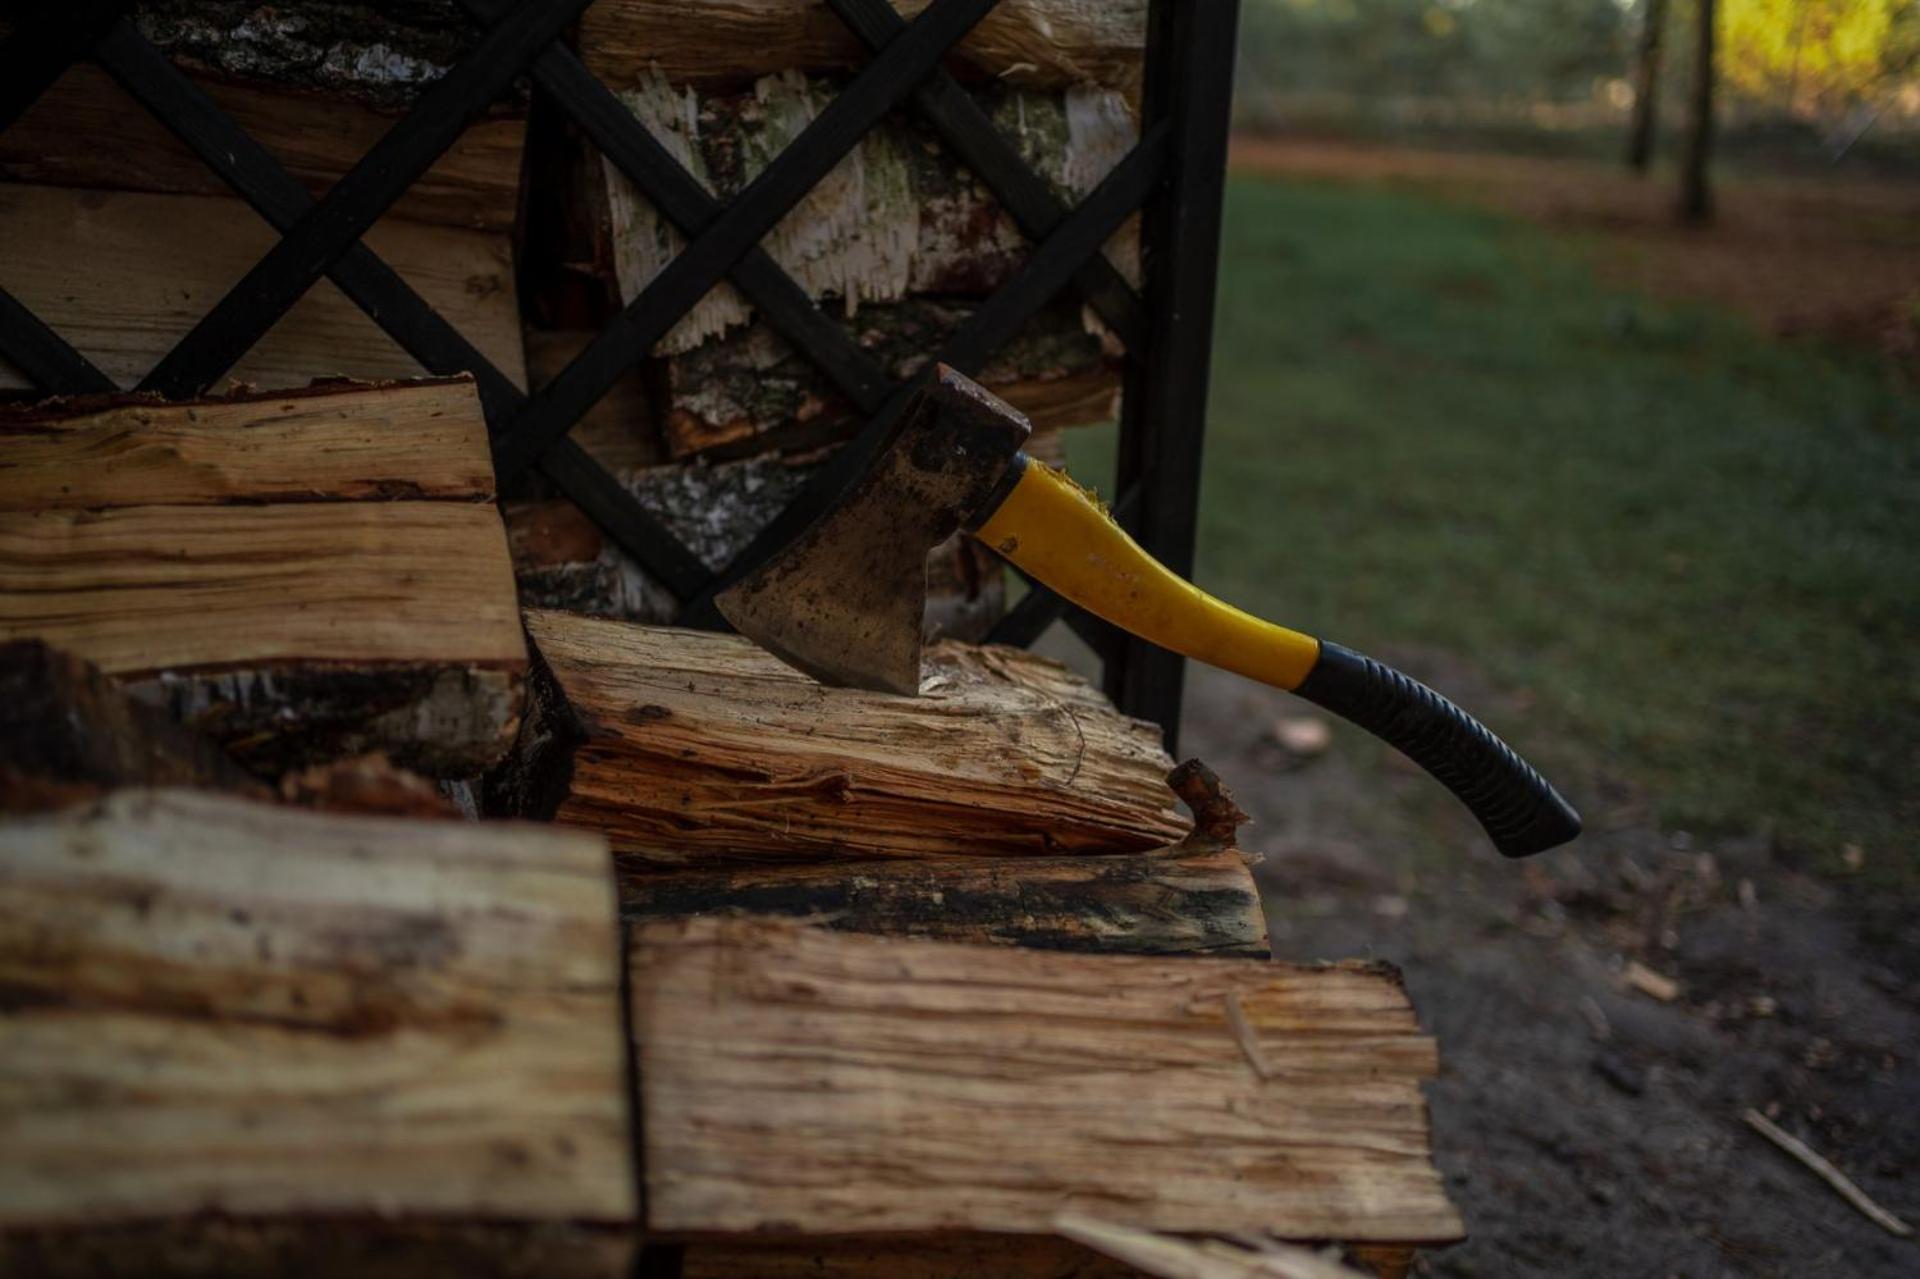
<point x="407" y="1039"/>
<point x="789" y="1075"/>
<point x="244" y="1039"/>
<point x="1035" y="42"/>
<point x="68" y="733"/>
<point x="903" y="1257"/>
<point x="689" y="749"/>
<point x="304" y="575"/>
<point x="1173" y="901"/>
<point x="564" y="561"/>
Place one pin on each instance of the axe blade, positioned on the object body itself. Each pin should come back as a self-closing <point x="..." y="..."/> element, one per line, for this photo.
<point x="844" y="600"/>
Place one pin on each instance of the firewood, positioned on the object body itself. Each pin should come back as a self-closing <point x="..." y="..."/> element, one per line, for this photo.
<point x="241" y="1037"/>
<point x="86" y="131"/>
<point x="747" y="392"/>
<point x="806" y="1082"/>
<point x="900" y="242"/>
<point x="1033" y="42"/>
<point x="1171" y="901"/>
<point x="222" y="557"/>
<point x="68" y="733"/>
<point x="563" y="560"/>
<point x="155" y="264"/>
<point x="692" y="749"/>
<point x="902" y="1257"/>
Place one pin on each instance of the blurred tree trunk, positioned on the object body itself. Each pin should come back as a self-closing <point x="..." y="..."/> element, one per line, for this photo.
<point x="1696" y="197"/>
<point x="1646" y="85"/>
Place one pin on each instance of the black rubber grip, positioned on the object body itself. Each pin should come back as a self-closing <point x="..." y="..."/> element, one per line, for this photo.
<point x="1520" y="810"/>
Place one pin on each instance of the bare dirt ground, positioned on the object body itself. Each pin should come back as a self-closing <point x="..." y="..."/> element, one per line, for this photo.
<point x="1833" y="257"/>
<point x="1585" y="1127"/>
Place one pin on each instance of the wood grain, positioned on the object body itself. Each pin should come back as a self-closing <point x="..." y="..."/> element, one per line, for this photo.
<point x="800" y="1081"/>
<point x="149" y="588"/>
<point x="1035" y="42"/>
<point x="688" y="748"/>
<point x="425" y="439"/>
<point x="305" y="574"/>
<point x="86" y="131"/>
<point x="1168" y="902"/>
<point x="155" y="264"/>
<point x="222" y="1011"/>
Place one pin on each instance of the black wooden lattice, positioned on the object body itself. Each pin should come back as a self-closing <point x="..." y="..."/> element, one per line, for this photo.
<point x="1173" y="175"/>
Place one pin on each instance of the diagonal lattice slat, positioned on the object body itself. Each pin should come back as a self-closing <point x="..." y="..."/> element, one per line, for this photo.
<point x="336" y="223"/>
<point x="684" y="202"/>
<point x="963" y="126"/>
<point x="378" y="290"/>
<point x="1189" y="43"/>
<point x="1002" y="315"/>
<point x="43" y="355"/>
<point x="754" y="212"/>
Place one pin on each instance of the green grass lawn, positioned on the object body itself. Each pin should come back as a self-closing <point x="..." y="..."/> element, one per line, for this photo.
<point x="1696" y="549"/>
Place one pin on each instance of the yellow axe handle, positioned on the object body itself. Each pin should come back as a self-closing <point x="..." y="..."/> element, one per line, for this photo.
<point x="1056" y="531"/>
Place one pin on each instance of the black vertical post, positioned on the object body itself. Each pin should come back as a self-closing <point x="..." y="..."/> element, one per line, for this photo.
<point x="1189" y="84"/>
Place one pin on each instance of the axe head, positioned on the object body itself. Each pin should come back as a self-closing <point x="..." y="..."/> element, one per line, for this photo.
<point x="844" y="600"/>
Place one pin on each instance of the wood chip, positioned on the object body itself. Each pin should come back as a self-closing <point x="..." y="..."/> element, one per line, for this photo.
<point x="1651" y="984"/>
<point x="1597" y="1024"/>
<point x="1828" y="1173"/>
<point x="1245" y="1035"/>
<point x="1174" y="1258"/>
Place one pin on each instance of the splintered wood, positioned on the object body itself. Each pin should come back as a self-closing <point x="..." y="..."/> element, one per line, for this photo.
<point x="808" y="1082"/>
<point x="241" y="561"/>
<point x="694" y="749"/>
<point x="223" y="1014"/>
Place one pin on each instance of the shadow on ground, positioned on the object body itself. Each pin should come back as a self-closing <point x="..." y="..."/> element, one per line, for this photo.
<point x="1586" y="1128"/>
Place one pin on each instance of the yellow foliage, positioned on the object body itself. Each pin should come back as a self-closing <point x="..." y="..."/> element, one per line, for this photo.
<point x="1817" y="52"/>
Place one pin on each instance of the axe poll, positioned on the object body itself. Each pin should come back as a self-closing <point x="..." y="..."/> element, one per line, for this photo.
<point x="844" y="600"/>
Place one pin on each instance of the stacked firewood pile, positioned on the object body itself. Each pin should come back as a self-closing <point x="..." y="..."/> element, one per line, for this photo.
<point x="384" y="888"/>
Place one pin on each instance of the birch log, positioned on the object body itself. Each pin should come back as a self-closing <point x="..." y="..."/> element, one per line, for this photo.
<point x="69" y="733"/>
<point x="804" y="1082"/>
<point x="691" y="749"/>
<point x="243" y="1039"/>
<point x="303" y="575"/>
<point x="899" y="241"/>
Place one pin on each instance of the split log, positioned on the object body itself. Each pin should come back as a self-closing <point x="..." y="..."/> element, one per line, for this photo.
<point x="789" y="1075"/>
<point x="220" y="557"/>
<point x="727" y="42"/>
<point x="899" y="216"/>
<point x="156" y="264"/>
<point x="68" y="733"/>
<point x="1174" y="901"/>
<point x="900" y="236"/>
<point x="689" y="748"/>
<point x="748" y="391"/>
<point x="239" y="1038"/>
<point x="86" y="131"/>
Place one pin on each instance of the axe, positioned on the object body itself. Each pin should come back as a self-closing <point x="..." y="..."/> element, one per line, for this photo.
<point x="843" y="601"/>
